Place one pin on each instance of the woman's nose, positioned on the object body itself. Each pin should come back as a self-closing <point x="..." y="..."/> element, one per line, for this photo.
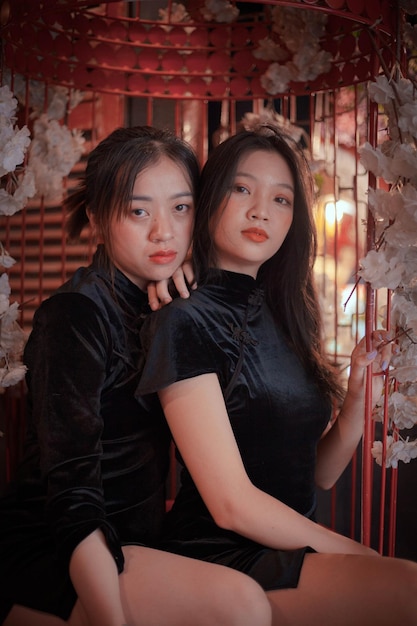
<point x="259" y="210"/>
<point x="161" y="230"/>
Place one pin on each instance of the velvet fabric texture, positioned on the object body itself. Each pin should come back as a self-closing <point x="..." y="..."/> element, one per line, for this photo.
<point x="94" y="457"/>
<point x="275" y="408"/>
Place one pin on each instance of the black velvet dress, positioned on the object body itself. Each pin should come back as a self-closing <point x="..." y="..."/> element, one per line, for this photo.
<point x="94" y="458"/>
<point x="276" y="411"/>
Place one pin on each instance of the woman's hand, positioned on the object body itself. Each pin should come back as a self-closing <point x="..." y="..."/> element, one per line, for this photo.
<point x="183" y="279"/>
<point x="340" y="441"/>
<point x="379" y="356"/>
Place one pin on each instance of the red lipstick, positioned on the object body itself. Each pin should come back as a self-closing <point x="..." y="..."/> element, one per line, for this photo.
<point x="258" y="235"/>
<point x="163" y="257"/>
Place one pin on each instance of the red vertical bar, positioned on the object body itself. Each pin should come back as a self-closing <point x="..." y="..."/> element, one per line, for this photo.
<point x="354" y="469"/>
<point x="369" y="325"/>
<point x="383" y="489"/>
<point x="177" y="117"/>
<point x="204" y="129"/>
<point x="149" y="111"/>
<point x="393" y="512"/>
<point x="392" y="518"/>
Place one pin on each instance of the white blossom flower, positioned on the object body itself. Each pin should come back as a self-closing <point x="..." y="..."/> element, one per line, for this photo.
<point x="12" y="375"/>
<point x="409" y="277"/>
<point x="12" y="203"/>
<point x="12" y="341"/>
<point x="8" y="103"/>
<point x="394" y="265"/>
<point x="4" y="303"/>
<point x="12" y="338"/>
<point x="13" y="152"/>
<point x="403" y="161"/>
<point x="219" y="11"/>
<point x="6" y="260"/>
<point x="395" y="451"/>
<point x="311" y="62"/>
<point x="276" y="78"/>
<point x="268" y="50"/>
<point x="14" y="142"/>
<point x="384" y="206"/>
<point x="375" y="161"/>
<point x="407" y="118"/>
<point x="298" y="28"/>
<point x="404" y="364"/>
<point x="380" y="90"/>
<point x="409" y="194"/>
<point x="251" y="121"/>
<point x="178" y="13"/>
<point x="297" y="57"/>
<point x="4" y="286"/>
<point x="404" y="312"/>
<point x="53" y="153"/>
<point x="59" y="99"/>
<point x="9" y="315"/>
<point x="402" y="410"/>
<point x="403" y="231"/>
<point x="382" y="268"/>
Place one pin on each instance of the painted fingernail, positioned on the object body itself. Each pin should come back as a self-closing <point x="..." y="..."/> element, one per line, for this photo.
<point x="384" y="365"/>
<point x="372" y="355"/>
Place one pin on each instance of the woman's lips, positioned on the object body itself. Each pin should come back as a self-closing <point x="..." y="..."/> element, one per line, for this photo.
<point x="163" y="257"/>
<point x="258" y="235"/>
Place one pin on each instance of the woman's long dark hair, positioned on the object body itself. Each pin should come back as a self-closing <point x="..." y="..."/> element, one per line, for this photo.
<point x="112" y="167"/>
<point x="287" y="277"/>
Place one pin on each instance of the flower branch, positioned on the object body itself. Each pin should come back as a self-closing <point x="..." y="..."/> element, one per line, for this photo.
<point x="29" y="167"/>
<point x="392" y="263"/>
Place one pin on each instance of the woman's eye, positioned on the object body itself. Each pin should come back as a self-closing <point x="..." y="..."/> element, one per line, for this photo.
<point x="283" y="201"/>
<point x="139" y="212"/>
<point x="240" y="189"/>
<point x="181" y="208"/>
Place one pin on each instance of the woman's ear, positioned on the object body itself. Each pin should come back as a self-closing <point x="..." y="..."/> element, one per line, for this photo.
<point x="91" y="219"/>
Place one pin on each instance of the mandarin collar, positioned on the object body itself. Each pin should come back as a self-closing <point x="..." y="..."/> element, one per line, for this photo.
<point x="122" y="285"/>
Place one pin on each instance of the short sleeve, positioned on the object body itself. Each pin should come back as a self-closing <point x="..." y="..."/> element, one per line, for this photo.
<point x="176" y="346"/>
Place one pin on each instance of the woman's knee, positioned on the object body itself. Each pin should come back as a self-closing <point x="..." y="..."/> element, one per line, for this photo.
<point x="251" y="606"/>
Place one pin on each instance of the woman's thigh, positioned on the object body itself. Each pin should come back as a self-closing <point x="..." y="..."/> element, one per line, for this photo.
<point x="163" y="588"/>
<point x="349" y="589"/>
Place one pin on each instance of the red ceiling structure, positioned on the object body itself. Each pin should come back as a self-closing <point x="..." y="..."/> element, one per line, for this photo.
<point x="86" y="45"/>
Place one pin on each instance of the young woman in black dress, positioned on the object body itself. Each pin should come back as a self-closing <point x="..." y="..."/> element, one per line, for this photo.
<point x="250" y="400"/>
<point x="79" y="525"/>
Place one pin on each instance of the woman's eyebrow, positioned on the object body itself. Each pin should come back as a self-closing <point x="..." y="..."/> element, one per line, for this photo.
<point x="277" y="183"/>
<point x="180" y="194"/>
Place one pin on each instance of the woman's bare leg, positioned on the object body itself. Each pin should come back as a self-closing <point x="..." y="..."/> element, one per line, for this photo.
<point x="349" y="590"/>
<point x="162" y="589"/>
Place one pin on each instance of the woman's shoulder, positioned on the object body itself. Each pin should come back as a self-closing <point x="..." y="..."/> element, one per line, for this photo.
<point x="197" y="307"/>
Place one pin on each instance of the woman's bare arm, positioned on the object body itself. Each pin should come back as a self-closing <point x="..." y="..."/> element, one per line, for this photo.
<point x="200" y="425"/>
<point x="95" y="578"/>
<point x="336" y="448"/>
